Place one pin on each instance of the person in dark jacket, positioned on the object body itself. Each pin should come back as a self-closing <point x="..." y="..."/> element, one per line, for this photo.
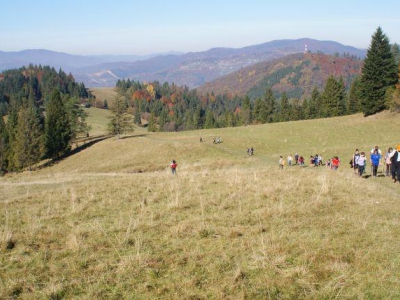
<point x="396" y="164"/>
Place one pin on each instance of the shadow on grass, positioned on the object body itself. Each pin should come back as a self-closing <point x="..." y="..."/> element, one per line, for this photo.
<point x="74" y="151"/>
<point x="83" y="147"/>
<point x="133" y="136"/>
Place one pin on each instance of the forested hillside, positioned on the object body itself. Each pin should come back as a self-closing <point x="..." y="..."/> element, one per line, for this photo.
<point x="36" y="83"/>
<point x="43" y="112"/>
<point x="295" y="74"/>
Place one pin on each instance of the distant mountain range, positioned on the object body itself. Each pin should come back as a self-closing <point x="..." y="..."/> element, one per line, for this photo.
<point x="190" y="69"/>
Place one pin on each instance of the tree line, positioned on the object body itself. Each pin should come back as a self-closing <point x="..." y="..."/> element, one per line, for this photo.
<point x="167" y="107"/>
<point x="41" y="115"/>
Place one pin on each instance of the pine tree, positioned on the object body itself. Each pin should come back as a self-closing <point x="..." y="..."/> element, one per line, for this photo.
<point x="209" y="122"/>
<point x="354" y="100"/>
<point x="260" y="111"/>
<point x="378" y="74"/>
<point x="311" y="110"/>
<point x="393" y="96"/>
<point x="137" y="118"/>
<point x="152" y="126"/>
<point x="58" y="133"/>
<point x="11" y="131"/>
<point x="120" y="121"/>
<point x="333" y="98"/>
<point x="77" y="117"/>
<point x="270" y="104"/>
<point x="284" y="112"/>
<point x="246" y="111"/>
<point x="28" y="148"/>
<point x="3" y="145"/>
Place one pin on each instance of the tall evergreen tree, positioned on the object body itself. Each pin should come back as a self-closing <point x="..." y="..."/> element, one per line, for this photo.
<point x="334" y="98"/>
<point x="11" y="131"/>
<point x="378" y="74"/>
<point x="284" y="111"/>
<point x="210" y="120"/>
<point x="77" y="117"/>
<point x="3" y="144"/>
<point x="28" y="148"/>
<point x="120" y="120"/>
<point x="270" y="104"/>
<point x="246" y="111"/>
<point x="354" y="99"/>
<point x="58" y="132"/>
<point x="311" y="111"/>
<point x="152" y="126"/>
<point x="137" y="118"/>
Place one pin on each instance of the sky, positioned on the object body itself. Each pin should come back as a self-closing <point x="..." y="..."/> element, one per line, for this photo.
<point x="95" y="27"/>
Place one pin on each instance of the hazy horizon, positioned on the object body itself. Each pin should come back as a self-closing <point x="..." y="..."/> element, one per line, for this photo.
<point x="124" y="27"/>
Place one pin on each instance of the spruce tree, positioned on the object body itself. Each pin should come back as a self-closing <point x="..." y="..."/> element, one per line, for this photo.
<point x="58" y="133"/>
<point x="77" y="117"/>
<point x="246" y="111"/>
<point x="11" y="131"/>
<point x="333" y="98"/>
<point x="209" y="122"/>
<point x="137" y="118"/>
<point x="354" y="100"/>
<point x="28" y="147"/>
<point x="152" y="126"/>
<point x="120" y="121"/>
<point x="378" y="74"/>
<point x="270" y="104"/>
<point x="284" y="113"/>
<point x="3" y="145"/>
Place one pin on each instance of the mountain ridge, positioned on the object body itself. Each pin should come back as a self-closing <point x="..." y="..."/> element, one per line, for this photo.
<point x="192" y="69"/>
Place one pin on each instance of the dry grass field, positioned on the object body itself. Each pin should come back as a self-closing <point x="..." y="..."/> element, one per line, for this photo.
<point x="112" y="222"/>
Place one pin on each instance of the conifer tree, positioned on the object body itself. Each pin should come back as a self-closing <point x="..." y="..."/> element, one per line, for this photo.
<point x="58" y="133"/>
<point x="311" y="110"/>
<point x="137" y="118"/>
<point x="3" y="145"/>
<point x="333" y="98"/>
<point x="11" y="131"/>
<point x="152" y="126"/>
<point x="284" y="113"/>
<point x="210" y="120"/>
<point x="246" y="111"/>
<point x="270" y="104"/>
<point x="28" y="148"/>
<point x="77" y="117"/>
<point x="378" y="74"/>
<point x="120" y="121"/>
<point x="354" y="100"/>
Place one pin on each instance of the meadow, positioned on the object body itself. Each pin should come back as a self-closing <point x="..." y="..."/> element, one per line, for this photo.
<point x="112" y="222"/>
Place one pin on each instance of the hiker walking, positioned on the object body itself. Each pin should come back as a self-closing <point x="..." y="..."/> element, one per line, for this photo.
<point x="173" y="166"/>
<point x="281" y="162"/>
<point x="396" y="164"/>
<point x="361" y="161"/>
<point x="375" y="159"/>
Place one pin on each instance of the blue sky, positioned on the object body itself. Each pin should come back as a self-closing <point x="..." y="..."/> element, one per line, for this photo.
<point x="143" y="27"/>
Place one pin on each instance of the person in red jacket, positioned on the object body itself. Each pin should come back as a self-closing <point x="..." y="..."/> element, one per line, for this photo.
<point x="335" y="163"/>
<point x="173" y="166"/>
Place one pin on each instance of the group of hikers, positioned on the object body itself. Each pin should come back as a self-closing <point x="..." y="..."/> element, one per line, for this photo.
<point x="315" y="161"/>
<point x="390" y="161"/>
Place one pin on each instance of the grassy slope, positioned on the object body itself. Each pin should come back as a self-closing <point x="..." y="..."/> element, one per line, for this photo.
<point x="104" y="93"/>
<point x="112" y="222"/>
